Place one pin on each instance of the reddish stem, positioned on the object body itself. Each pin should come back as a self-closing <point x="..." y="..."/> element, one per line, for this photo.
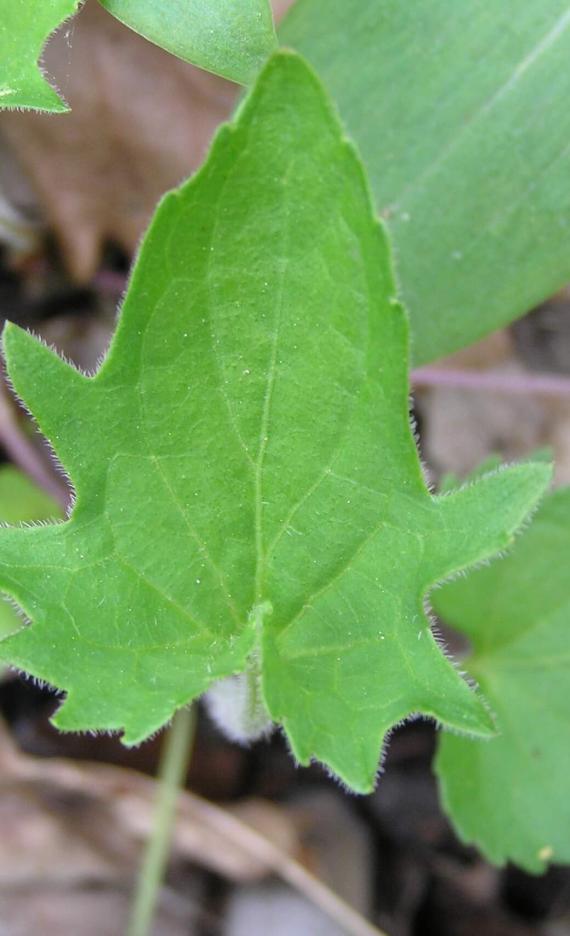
<point x="525" y="383"/>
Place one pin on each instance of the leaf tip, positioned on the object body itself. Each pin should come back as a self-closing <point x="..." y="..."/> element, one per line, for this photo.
<point x="15" y="340"/>
<point x="529" y="481"/>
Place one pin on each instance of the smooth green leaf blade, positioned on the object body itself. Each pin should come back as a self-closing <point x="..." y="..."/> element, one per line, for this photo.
<point x="510" y="796"/>
<point x="20" y="501"/>
<point x="461" y="114"/>
<point x="25" y="26"/>
<point x="249" y="495"/>
<point x="231" y="38"/>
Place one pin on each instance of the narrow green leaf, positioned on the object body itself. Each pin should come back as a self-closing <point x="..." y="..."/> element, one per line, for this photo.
<point x="25" y="26"/>
<point x="450" y="481"/>
<point x="20" y="501"/>
<point x="510" y="795"/>
<point x="461" y="113"/>
<point x="231" y="38"/>
<point x="249" y="495"/>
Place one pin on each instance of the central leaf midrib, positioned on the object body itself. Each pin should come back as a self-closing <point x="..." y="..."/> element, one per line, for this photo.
<point x="283" y="257"/>
<point x="263" y="439"/>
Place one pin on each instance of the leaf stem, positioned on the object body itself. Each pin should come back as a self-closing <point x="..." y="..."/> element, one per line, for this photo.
<point x="173" y="766"/>
<point x="493" y="381"/>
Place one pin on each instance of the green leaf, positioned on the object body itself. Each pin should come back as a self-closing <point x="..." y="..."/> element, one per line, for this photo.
<point x="20" y="501"/>
<point x="249" y="495"/>
<point x="510" y="796"/>
<point x="25" y="27"/>
<point x="460" y="110"/>
<point x="450" y="481"/>
<point x="231" y="38"/>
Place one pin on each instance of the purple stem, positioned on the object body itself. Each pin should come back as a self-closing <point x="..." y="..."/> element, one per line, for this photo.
<point x="529" y="383"/>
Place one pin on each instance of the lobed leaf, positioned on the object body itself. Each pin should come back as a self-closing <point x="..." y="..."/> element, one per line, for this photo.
<point x="231" y="38"/>
<point x="25" y="27"/>
<point x="249" y="495"/>
<point x="510" y="796"/>
<point x="21" y="501"/>
<point x="461" y="114"/>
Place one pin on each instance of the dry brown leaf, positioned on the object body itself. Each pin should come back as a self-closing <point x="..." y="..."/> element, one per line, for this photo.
<point x="242" y="843"/>
<point x="141" y="122"/>
<point x="92" y="809"/>
<point x="100" y="911"/>
<point x="338" y="848"/>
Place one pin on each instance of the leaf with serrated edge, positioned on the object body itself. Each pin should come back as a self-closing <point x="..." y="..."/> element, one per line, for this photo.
<point x="231" y="38"/>
<point x="25" y="27"/>
<point x="510" y="796"/>
<point x="249" y="495"/>
<point x="21" y="501"/>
